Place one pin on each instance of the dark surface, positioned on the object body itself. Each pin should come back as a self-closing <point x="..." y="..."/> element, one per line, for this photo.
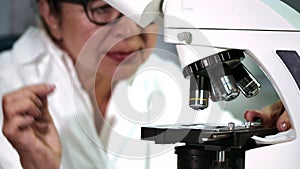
<point x="292" y="61"/>
<point x="7" y="42"/>
<point x="293" y="3"/>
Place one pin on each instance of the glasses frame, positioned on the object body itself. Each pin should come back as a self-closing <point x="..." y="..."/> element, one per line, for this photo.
<point x="84" y="3"/>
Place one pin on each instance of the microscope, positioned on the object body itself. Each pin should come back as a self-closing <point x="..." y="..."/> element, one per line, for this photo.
<point x="212" y="38"/>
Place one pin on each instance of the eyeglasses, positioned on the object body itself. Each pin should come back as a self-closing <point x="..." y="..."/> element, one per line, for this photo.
<point x="97" y="11"/>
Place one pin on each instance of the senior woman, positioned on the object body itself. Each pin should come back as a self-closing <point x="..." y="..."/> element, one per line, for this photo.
<point x="39" y="81"/>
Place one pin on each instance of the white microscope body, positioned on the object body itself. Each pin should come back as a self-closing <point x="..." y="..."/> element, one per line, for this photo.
<point x="260" y="28"/>
<point x="266" y="30"/>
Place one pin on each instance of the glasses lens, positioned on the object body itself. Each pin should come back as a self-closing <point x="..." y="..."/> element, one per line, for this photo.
<point x="100" y="12"/>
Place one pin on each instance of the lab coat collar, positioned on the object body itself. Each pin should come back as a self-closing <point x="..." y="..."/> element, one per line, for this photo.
<point x="34" y="43"/>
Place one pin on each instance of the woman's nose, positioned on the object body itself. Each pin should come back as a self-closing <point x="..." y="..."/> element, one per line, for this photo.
<point x="125" y="27"/>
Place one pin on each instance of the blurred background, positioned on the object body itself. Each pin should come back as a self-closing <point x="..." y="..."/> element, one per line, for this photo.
<point x="17" y="15"/>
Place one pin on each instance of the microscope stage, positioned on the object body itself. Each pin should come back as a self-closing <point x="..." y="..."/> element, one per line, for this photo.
<point x="205" y="134"/>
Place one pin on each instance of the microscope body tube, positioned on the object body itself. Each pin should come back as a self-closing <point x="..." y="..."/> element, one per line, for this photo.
<point x="142" y="12"/>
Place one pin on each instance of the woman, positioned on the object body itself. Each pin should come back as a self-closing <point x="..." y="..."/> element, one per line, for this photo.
<point x="39" y="81"/>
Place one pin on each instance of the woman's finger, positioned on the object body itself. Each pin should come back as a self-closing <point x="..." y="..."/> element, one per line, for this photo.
<point x="251" y="115"/>
<point x="13" y="128"/>
<point x="283" y="122"/>
<point x="265" y="117"/>
<point x="21" y="108"/>
<point x="33" y="92"/>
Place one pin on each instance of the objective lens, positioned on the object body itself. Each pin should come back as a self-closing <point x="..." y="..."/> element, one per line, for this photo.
<point x="245" y="81"/>
<point x="222" y="83"/>
<point x="199" y="92"/>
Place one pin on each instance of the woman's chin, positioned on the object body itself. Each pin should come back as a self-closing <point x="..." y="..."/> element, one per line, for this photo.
<point x="124" y="73"/>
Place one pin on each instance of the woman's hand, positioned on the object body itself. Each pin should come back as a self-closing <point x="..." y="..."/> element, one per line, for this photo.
<point x="271" y="116"/>
<point x="29" y="127"/>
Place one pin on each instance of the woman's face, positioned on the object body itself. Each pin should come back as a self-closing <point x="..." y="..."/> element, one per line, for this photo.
<point x="127" y="38"/>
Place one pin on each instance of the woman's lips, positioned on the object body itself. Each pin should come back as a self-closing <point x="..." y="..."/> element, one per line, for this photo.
<point x="119" y="56"/>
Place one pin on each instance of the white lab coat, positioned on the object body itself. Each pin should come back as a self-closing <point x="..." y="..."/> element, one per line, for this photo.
<point x="35" y="59"/>
<point x="157" y="94"/>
